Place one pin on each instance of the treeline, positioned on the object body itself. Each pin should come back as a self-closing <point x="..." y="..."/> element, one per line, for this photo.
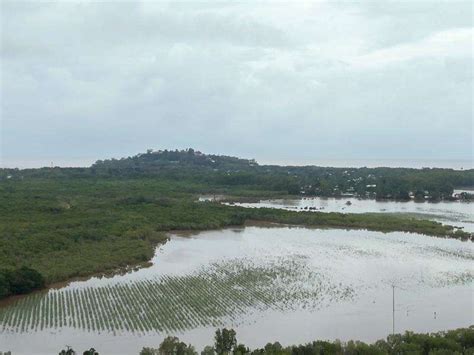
<point x="219" y="171"/>
<point x="70" y="351"/>
<point x="20" y="281"/>
<point x="370" y="221"/>
<point x="453" y="342"/>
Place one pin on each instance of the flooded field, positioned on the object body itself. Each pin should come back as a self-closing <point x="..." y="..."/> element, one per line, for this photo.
<point x="273" y="283"/>
<point x="456" y="213"/>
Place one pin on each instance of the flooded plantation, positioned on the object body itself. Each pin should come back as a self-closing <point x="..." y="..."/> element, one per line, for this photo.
<point x="291" y="284"/>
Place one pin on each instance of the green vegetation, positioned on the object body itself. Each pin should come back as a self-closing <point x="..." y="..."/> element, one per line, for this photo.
<point x="170" y="346"/>
<point x="225" y="341"/>
<point x="218" y="172"/>
<point x="67" y="223"/>
<point x="371" y="221"/>
<point x="66" y="228"/>
<point x="70" y="351"/>
<point x="453" y="342"/>
<point x="20" y="281"/>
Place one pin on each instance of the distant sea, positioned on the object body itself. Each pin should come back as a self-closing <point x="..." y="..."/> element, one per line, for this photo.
<point x="41" y="163"/>
<point x="372" y="163"/>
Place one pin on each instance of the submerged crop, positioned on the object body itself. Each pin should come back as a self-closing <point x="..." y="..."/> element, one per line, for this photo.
<point x="233" y="277"/>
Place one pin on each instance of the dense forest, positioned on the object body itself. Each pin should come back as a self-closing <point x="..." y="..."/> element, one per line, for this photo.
<point x="66" y="223"/>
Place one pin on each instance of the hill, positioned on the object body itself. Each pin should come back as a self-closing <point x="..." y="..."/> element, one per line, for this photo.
<point x="232" y="174"/>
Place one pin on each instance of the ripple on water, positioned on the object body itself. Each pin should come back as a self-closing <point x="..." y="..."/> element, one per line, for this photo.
<point x="245" y="277"/>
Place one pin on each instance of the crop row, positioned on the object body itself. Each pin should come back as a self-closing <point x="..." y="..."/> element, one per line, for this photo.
<point x="220" y="292"/>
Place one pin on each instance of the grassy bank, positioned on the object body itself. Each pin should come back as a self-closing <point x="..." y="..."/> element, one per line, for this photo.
<point x="370" y="221"/>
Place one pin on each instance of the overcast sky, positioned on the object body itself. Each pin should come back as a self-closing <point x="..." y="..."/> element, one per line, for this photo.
<point x="281" y="82"/>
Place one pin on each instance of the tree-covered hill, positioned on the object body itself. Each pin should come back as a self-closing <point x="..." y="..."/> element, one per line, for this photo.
<point x="157" y="161"/>
<point x="231" y="173"/>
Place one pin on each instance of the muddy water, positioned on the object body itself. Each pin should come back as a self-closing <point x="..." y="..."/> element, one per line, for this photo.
<point x="287" y="284"/>
<point x="459" y="214"/>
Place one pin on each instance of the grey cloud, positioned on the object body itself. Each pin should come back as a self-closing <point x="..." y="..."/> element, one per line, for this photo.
<point x="270" y="81"/>
<point x="398" y="21"/>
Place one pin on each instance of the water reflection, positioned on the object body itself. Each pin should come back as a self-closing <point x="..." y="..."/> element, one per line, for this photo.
<point x="289" y="284"/>
<point x="456" y="213"/>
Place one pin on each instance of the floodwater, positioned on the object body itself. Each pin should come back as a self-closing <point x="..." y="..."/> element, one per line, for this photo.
<point x="287" y="284"/>
<point x="455" y="213"/>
